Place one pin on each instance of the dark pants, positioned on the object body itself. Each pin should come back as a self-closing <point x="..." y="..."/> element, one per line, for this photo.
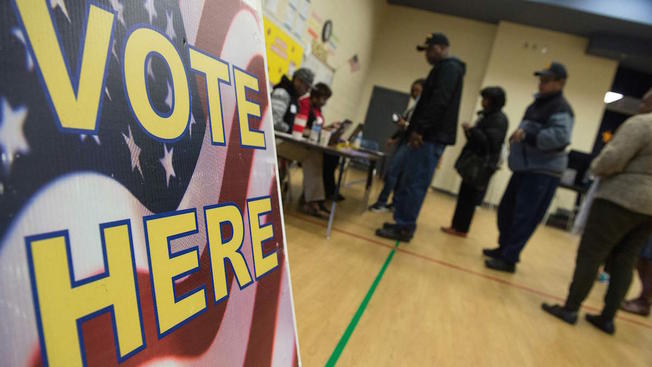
<point x="329" y="166"/>
<point x="420" y="165"/>
<point x="611" y="232"/>
<point x="393" y="174"/>
<point x="522" y="208"/>
<point x="468" y="198"/>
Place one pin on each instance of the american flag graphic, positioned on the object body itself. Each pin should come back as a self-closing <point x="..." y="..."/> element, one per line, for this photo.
<point x="52" y="181"/>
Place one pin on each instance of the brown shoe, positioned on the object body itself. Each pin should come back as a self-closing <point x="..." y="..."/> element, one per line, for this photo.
<point x="453" y="231"/>
<point x="638" y="306"/>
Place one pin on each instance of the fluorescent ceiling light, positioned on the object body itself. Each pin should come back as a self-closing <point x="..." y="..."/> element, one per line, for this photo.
<point x="611" y="97"/>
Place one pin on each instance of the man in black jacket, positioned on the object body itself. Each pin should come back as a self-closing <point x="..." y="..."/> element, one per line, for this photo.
<point x="285" y="98"/>
<point x="433" y="126"/>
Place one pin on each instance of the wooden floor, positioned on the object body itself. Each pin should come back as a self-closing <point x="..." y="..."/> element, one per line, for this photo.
<point x="437" y="304"/>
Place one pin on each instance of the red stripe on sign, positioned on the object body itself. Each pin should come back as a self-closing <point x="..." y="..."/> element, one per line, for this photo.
<point x="261" y="338"/>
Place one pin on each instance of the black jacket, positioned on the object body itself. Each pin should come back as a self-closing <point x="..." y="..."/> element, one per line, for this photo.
<point x="486" y="138"/>
<point x="288" y="117"/>
<point x="435" y="115"/>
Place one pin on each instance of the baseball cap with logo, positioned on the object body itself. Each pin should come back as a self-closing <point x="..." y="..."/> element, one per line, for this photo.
<point x="554" y="69"/>
<point x="434" y="39"/>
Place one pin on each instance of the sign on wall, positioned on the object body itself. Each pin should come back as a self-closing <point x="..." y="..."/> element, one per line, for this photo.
<point x="284" y="53"/>
<point x="140" y="219"/>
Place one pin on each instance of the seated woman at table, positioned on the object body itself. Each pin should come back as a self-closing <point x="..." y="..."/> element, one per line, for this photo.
<point x="307" y="115"/>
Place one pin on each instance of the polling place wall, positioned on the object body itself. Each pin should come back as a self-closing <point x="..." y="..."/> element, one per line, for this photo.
<point x="396" y="62"/>
<point x="354" y="28"/>
<point x="495" y="54"/>
<point x="355" y="24"/>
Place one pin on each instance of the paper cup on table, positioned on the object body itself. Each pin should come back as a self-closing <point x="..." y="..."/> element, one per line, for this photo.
<point x="325" y="137"/>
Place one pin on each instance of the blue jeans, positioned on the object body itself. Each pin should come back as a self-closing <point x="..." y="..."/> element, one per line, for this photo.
<point x="395" y="169"/>
<point x="523" y="206"/>
<point x="419" y="168"/>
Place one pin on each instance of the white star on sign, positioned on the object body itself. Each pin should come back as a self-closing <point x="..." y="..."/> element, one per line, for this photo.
<point x="12" y="139"/>
<point x="192" y="122"/>
<point x="169" y="29"/>
<point x="134" y="150"/>
<point x="62" y="5"/>
<point x="168" y="98"/>
<point x="151" y="10"/>
<point x="119" y="8"/>
<point x="83" y="137"/>
<point x="28" y="57"/>
<point x="150" y="72"/>
<point x="114" y="52"/>
<point x="166" y="162"/>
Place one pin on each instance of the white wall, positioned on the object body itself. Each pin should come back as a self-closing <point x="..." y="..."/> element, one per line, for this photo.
<point x="396" y="63"/>
<point x="384" y="36"/>
<point x="495" y="54"/>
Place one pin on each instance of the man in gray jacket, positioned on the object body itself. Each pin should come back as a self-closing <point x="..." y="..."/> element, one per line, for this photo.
<point x="538" y="158"/>
<point x="620" y="220"/>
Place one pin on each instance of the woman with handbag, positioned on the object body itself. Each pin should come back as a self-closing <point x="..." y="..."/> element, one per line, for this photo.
<point x="479" y="158"/>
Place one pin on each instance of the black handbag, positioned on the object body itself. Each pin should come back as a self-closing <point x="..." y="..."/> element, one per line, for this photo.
<point x="475" y="170"/>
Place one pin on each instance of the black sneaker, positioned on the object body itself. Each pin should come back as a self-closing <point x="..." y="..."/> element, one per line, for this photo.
<point x="491" y="252"/>
<point x="388" y="225"/>
<point x="323" y="208"/>
<point x="378" y="208"/>
<point x="598" y="321"/>
<point x="567" y="316"/>
<point x="402" y="235"/>
<point x="337" y="197"/>
<point x="500" y="265"/>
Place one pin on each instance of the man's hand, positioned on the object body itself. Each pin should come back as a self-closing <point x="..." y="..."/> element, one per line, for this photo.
<point x="518" y="136"/>
<point x="416" y="140"/>
<point x="466" y="126"/>
<point x="390" y="142"/>
<point x="402" y="123"/>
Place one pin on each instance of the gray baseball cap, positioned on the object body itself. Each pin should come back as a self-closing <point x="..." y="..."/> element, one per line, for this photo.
<point x="304" y="74"/>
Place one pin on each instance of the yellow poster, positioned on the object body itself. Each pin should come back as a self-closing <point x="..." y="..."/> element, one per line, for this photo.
<point x="284" y="53"/>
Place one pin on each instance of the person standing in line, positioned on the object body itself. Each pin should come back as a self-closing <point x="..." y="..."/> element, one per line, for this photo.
<point x="485" y="143"/>
<point x="619" y="222"/>
<point x="641" y="304"/>
<point x="433" y="126"/>
<point x="537" y="158"/>
<point x="399" y="139"/>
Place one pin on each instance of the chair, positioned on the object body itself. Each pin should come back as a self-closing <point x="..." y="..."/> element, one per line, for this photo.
<point x="360" y="163"/>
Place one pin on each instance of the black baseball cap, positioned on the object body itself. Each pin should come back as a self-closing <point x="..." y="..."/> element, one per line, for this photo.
<point x="434" y="39"/>
<point x="555" y="69"/>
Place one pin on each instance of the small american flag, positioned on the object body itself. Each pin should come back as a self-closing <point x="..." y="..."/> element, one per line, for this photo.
<point x="354" y="63"/>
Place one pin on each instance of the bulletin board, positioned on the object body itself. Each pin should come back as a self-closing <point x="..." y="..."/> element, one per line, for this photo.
<point x="284" y="52"/>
